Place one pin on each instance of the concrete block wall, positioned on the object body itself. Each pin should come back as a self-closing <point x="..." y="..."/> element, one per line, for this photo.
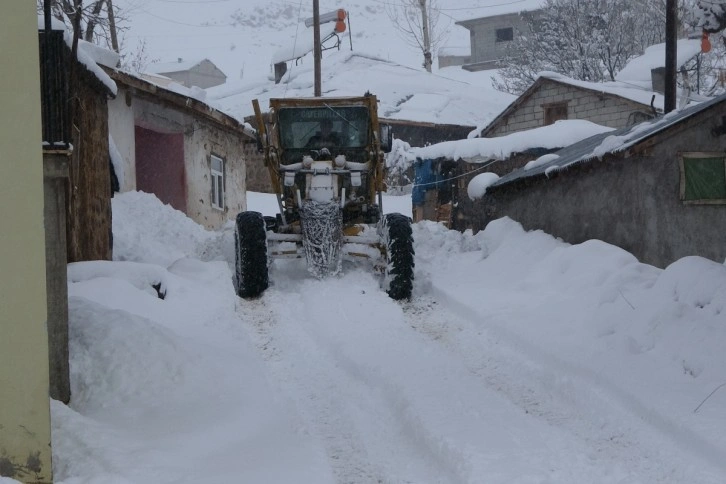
<point x="483" y="35"/>
<point x="600" y="108"/>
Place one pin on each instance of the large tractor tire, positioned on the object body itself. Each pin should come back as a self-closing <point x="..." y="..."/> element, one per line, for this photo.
<point x="399" y="256"/>
<point x="251" y="276"/>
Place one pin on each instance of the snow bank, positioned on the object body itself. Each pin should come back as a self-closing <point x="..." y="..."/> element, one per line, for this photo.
<point x="147" y="230"/>
<point x="635" y="329"/>
<point x="158" y="355"/>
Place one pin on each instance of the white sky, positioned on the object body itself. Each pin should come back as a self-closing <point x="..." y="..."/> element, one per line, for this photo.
<point x="520" y="359"/>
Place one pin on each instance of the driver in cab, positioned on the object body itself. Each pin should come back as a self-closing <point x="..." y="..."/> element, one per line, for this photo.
<point x="325" y="138"/>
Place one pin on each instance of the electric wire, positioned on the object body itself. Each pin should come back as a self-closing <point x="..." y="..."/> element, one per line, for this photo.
<point x="414" y="185"/>
<point x="294" y="47"/>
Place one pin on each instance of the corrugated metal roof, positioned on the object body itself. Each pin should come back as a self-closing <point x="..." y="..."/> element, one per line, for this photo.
<point x="613" y="142"/>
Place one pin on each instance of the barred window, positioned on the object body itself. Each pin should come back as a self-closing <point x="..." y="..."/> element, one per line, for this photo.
<point x="217" y="170"/>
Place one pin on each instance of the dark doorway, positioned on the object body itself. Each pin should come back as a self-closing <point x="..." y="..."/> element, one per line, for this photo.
<point x="160" y="166"/>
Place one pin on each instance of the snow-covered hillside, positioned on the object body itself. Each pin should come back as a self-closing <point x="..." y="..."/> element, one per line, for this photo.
<point x="520" y="359"/>
<point x="373" y="56"/>
<point x="242" y="37"/>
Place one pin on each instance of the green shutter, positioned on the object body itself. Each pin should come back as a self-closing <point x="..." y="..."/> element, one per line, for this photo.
<point x="704" y="178"/>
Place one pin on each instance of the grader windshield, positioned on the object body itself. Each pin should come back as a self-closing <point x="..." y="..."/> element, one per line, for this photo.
<point x="339" y="128"/>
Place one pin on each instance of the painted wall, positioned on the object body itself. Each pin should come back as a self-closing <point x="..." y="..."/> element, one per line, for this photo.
<point x="601" y="109"/>
<point x="632" y="203"/>
<point x="205" y="142"/>
<point x="160" y="166"/>
<point x="202" y="138"/>
<point x="25" y="452"/>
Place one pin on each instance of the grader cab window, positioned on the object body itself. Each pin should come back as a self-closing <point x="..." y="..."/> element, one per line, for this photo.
<point x="342" y="127"/>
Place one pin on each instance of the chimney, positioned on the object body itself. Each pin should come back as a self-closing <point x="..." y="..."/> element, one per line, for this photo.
<point x="179" y="60"/>
<point x="657" y="77"/>
<point x="280" y="70"/>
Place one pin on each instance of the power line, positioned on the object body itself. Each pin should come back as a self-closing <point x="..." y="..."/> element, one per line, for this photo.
<point x="187" y="24"/>
<point x="294" y="46"/>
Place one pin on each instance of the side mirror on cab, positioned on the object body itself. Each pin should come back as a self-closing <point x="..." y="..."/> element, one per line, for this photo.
<point x="386" y="137"/>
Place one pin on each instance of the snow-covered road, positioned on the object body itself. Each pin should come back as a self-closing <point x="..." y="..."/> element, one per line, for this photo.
<point x="520" y="359"/>
<point x="423" y="392"/>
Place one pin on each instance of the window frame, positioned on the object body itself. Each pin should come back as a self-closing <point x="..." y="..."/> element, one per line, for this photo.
<point x="682" y="157"/>
<point x="498" y="38"/>
<point x="218" y="182"/>
<point x="548" y="108"/>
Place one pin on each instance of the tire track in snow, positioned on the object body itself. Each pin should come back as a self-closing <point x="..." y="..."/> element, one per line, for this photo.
<point x="437" y="407"/>
<point x="364" y="436"/>
<point x="606" y="419"/>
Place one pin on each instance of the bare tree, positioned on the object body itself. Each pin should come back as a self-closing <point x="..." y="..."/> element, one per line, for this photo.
<point x="98" y="21"/>
<point x="418" y="23"/>
<point x="586" y="40"/>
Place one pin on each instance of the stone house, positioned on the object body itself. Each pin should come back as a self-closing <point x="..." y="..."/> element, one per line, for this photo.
<point x="656" y="189"/>
<point x="490" y="36"/>
<point x="179" y="148"/>
<point x="553" y="97"/>
<point x="200" y="73"/>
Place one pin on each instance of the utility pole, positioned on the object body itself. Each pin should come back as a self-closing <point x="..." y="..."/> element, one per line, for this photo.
<point x="426" y="37"/>
<point x="318" y="52"/>
<point x="670" y="60"/>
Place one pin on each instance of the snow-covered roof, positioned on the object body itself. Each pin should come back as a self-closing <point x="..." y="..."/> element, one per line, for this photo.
<point x="638" y="69"/>
<point x="90" y="55"/>
<point x="491" y="8"/>
<point x="478" y="150"/>
<point x="599" y="145"/>
<point x="404" y="93"/>
<point x="633" y="92"/>
<point x="175" y="66"/>
<point x="193" y="98"/>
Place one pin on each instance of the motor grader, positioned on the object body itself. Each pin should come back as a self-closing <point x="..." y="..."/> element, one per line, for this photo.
<point x="325" y="159"/>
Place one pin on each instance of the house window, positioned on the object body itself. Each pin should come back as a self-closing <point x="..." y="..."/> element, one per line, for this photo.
<point x="703" y="177"/>
<point x="505" y="35"/>
<point x="217" y="169"/>
<point x="554" y="112"/>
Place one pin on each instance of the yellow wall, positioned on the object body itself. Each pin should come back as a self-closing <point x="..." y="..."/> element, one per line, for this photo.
<point x="24" y="402"/>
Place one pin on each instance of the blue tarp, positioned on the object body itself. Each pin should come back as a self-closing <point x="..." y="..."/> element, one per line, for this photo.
<point x="425" y="178"/>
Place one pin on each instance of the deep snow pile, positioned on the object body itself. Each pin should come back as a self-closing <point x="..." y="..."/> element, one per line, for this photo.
<point x="571" y="340"/>
<point x="653" y="337"/>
